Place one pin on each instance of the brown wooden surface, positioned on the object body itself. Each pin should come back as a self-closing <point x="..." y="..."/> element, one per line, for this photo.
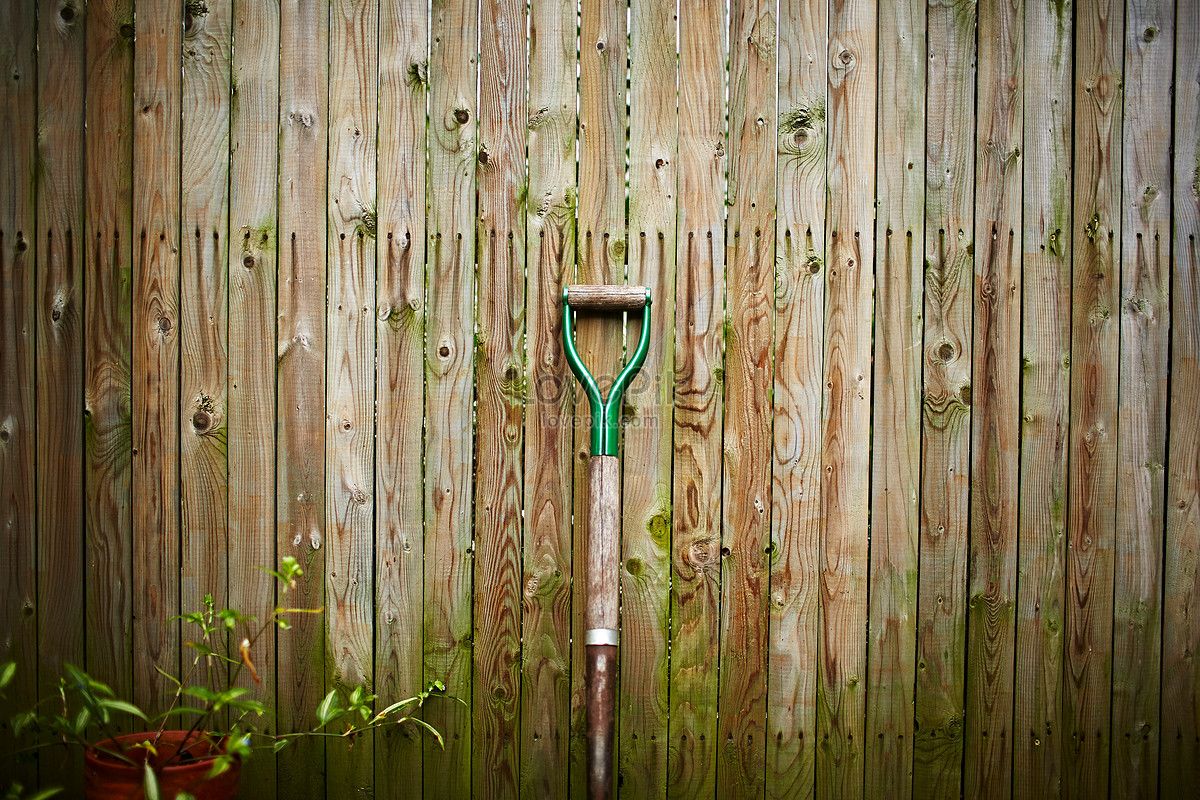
<point x="1045" y="399"/>
<point x="1180" y="729"/>
<point x="796" y="443"/>
<point x="952" y="306"/>
<point x="1095" y="335"/>
<point x="699" y="374"/>
<point x="60" y="233"/>
<point x="156" y="320"/>
<point x="400" y="385"/>
<point x="897" y="404"/>
<point x="610" y="298"/>
<point x="500" y="369"/>
<point x="18" y="304"/>
<point x="300" y="357"/>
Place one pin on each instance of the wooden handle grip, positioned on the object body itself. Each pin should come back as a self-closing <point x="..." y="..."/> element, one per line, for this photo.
<point x="603" y="560"/>
<point x="607" y="298"/>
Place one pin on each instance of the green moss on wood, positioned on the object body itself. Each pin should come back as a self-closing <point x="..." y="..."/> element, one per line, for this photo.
<point x="417" y="76"/>
<point x="659" y="527"/>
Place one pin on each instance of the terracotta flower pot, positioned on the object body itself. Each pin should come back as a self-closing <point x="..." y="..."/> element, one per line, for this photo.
<point x="107" y="778"/>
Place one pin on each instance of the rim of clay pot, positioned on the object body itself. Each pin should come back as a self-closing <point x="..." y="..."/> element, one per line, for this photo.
<point x="174" y="739"/>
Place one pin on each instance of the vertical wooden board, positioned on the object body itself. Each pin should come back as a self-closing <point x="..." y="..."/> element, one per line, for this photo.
<point x="399" y="383"/>
<point x="156" y="319"/>
<point x="746" y="511"/>
<point x="107" y="307"/>
<point x="204" y="306"/>
<point x="646" y="503"/>
<point x="995" y="431"/>
<point x="699" y="327"/>
<point x="846" y="404"/>
<point x="61" y="48"/>
<point x="1093" y="435"/>
<point x="550" y="235"/>
<point x="946" y="422"/>
<point x="500" y="369"/>
<point x="803" y="76"/>
<point x="1045" y="400"/>
<point x="1181" y="568"/>
<point x="18" y="332"/>
<point x="252" y="249"/>
<point x="896" y="412"/>
<point x="300" y="377"/>
<point x="350" y="375"/>
<point x="1145" y="320"/>
<point x="449" y="376"/>
<point x="601" y="252"/>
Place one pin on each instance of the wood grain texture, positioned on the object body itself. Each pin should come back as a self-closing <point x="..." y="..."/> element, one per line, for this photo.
<point x="550" y="235"/>
<point x="350" y="375"/>
<point x="1094" y="362"/>
<point x="803" y="78"/>
<point x="18" y="340"/>
<point x="946" y="421"/>
<point x="646" y="504"/>
<point x="1181" y="564"/>
<point x="107" y="308"/>
<point x="449" y="375"/>
<point x="1145" y="321"/>
<point x="499" y="381"/>
<point x="896" y="412"/>
<point x="699" y="372"/>
<point x="610" y="298"/>
<point x="995" y="431"/>
<point x="300" y="377"/>
<point x="746" y="512"/>
<point x="1045" y="401"/>
<point x="253" y="258"/>
<point x="156" y="319"/>
<point x="400" y="384"/>
<point x="204" y="307"/>
<point x="61" y="48"/>
<point x="601" y="259"/>
<point x="846" y="402"/>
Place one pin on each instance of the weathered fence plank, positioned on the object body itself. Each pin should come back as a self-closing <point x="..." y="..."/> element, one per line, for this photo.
<point x="649" y="419"/>
<point x="600" y="258"/>
<point x="550" y="235"/>
<point x="500" y="369"/>
<point x="204" y="307"/>
<point x="350" y="374"/>
<point x="1093" y="435"/>
<point x="18" y="319"/>
<point x="301" y="381"/>
<point x="60" y="84"/>
<point x="400" y="384"/>
<point x="896" y="411"/>
<point x="1045" y="401"/>
<point x="1181" y="568"/>
<point x="995" y="430"/>
<point x="803" y="75"/>
<point x="107" y="307"/>
<point x="449" y="370"/>
<point x="699" y="328"/>
<point x="846" y="403"/>
<point x="746" y="512"/>
<point x="1145" y="330"/>
<point x="252" y="248"/>
<point x="946" y="422"/>
<point x="156" y="320"/>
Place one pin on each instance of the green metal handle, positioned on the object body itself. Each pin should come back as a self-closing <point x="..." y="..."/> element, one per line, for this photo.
<point x="606" y="412"/>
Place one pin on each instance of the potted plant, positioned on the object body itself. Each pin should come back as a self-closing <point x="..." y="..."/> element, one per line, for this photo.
<point x="195" y="748"/>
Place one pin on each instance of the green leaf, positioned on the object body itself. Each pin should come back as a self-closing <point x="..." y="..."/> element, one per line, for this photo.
<point x="7" y="672"/>
<point x="431" y="729"/>
<point x="280" y="744"/>
<point x="328" y="710"/>
<point x="394" y="707"/>
<point x="81" y="721"/>
<point x="220" y="765"/>
<point x="45" y="793"/>
<point x="121" y="705"/>
<point x="184" y="796"/>
<point x="150" y="782"/>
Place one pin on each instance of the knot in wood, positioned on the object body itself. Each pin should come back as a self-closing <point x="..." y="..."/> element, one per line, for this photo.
<point x="201" y="421"/>
<point x="164" y="325"/>
<point x="461" y="116"/>
<point x="846" y="57"/>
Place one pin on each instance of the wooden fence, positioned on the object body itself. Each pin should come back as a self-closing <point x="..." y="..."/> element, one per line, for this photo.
<point x="911" y="500"/>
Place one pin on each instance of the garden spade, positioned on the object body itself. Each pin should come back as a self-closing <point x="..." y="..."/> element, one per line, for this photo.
<point x="603" y="521"/>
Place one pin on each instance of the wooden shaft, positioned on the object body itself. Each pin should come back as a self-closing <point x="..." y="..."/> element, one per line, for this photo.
<point x="600" y="619"/>
<point x="607" y="298"/>
<point x="603" y="532"/>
